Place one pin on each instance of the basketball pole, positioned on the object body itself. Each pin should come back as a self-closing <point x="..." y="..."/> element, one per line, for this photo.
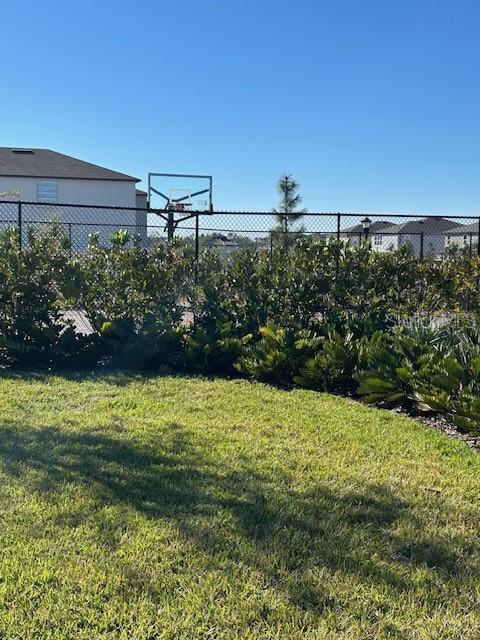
<point x="170" y="227"/>
<point x="197" y="245"/>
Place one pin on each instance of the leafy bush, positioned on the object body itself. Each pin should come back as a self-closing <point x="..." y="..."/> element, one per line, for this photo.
<point x="435" y="370"/>
<point x="332" y="366"/>
<point x="37" y="281"/>
<point x="322" y="315"/>
<point x="124" y="282"/>
<point x="278" y="355"/>
<point x="394" y="364"/>
<point x="136" y="300"/>
<point x="154" y="346"/>
<point x="454" y="386"/>
<point x="215" y="353"/>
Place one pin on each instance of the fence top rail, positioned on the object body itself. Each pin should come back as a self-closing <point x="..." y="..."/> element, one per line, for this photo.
<point x="346" y="214"/>
<point x="352" y="214"/>
<point x="260" y="232"/>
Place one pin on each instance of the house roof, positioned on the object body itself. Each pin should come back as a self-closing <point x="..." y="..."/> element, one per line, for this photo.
<point x="44" y="163"/>
<point x="464" y="228"/>
<point x="374" y="227"/>
<point x="431" y="225"/>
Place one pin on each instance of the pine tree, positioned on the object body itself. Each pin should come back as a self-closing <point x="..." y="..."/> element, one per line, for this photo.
<point x="288" y="208"/>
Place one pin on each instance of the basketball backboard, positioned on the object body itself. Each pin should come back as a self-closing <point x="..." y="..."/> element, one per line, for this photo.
<point x="180" y="192"/>
<point x="177" y="198"/>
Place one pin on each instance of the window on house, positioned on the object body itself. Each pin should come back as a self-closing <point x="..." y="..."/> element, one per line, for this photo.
<point x="47" y="191"/>
<point x="377" y="240"/>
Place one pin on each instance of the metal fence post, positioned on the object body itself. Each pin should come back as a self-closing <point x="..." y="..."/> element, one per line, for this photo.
<point x="20" y="225"/>
<point x="478" y="238"/>
<point x="422" y="238"/>
<point x="337" y="261"/>
<point x="197" y="246"/>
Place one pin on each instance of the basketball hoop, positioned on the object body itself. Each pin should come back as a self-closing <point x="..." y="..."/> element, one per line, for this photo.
<point x="179" y="207"/>
<point x="182" y="206"/>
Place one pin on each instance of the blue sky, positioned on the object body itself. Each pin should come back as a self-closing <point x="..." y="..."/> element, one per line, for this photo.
<point x="372" y="105"/>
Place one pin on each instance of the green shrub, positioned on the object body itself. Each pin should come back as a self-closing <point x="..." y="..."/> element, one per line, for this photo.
<point x="321" y="315"/>
<point x="453" y="387"/>
<point x="136" y="300"/>
<point x="392" y="366"/>
<point x="215" y="353"/>
<point x="37" y="283"/>
<point x="432" y="370"/>
<point x="332" y="366"/>
<point x="278" y="355"/>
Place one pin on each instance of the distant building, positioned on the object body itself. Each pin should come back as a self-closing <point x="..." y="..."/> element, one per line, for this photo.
<point x="48" y="177"/>
<point x="427" y="236"/>
<point x="463" y="236"/>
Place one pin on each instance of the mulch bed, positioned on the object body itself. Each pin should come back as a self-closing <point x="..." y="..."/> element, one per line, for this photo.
<point x="442" y="424"/>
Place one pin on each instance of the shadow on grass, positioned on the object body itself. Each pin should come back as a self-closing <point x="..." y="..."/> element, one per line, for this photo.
<point x="238" y="514"/>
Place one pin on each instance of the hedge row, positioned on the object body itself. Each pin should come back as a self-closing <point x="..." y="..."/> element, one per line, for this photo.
<point x="325" y="316"/>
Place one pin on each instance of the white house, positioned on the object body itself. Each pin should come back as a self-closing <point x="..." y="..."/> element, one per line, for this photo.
<point x="425" y="237"/>
<point x="355" y="235"/>
<point x="464" y="236"/>
<point x="54" y="180"/>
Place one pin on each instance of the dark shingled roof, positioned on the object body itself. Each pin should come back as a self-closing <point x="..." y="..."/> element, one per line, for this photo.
<point x="44" y="163"/>
<point x="464" y="228"/>
<point x="375" y="227"/>
<point x="431" y="225"/>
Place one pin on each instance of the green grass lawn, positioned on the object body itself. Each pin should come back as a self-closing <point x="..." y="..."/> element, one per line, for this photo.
<point x="184" y="508"/>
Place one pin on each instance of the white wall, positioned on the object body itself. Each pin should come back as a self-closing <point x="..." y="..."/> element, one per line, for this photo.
<point x="433" y="243"/>
<point x="461" y="240"/>
<point x="79" y="222"/>
<point x="106" y="192"/>
<point x="383" y="242"/>
<point x="353" y="238"/>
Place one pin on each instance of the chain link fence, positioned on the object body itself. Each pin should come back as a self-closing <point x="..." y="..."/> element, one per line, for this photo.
<point x="426" y="236"/>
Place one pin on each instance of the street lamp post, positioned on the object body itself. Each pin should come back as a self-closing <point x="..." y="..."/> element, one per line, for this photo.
<point x="366" y="224"/>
